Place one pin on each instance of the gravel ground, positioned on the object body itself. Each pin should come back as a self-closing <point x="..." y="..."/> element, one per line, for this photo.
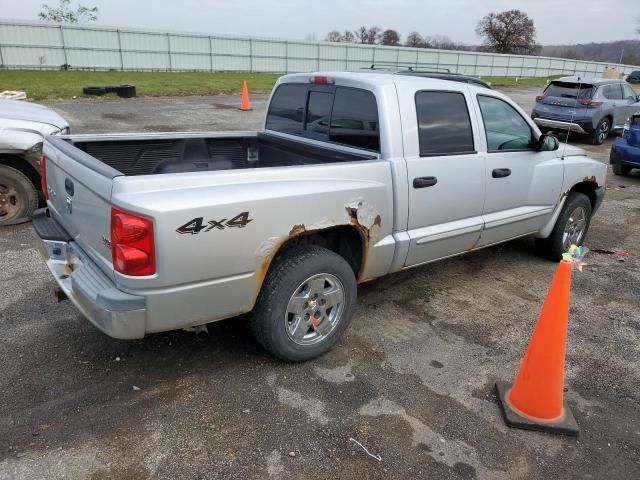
<point x="412" y="380"/>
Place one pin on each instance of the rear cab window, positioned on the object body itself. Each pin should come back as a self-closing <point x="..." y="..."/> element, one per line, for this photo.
<point x="341" y="115"/>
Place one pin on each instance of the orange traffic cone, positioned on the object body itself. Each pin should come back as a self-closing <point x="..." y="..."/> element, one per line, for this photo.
<point x="535" y="401"/>
<point x="245" y="104"/>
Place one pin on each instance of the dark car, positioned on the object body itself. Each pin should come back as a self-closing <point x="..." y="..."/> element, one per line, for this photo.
<point x="594" y="107"/>
<point x="634" y="77"/>
<point x="625" y="153"/>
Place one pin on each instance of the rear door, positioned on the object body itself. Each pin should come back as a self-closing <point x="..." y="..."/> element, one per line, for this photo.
<point x="446" y="176"/>
<point x="614" y="104"/>
<point x="523" y="185"/>
<point x="79" y="188"/>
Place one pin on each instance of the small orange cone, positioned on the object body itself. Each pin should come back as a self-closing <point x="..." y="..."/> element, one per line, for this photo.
<point x="535" y="401"/>
<point x="245" y="104"/>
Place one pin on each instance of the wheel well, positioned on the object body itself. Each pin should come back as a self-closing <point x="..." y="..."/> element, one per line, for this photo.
<point x="23" y="166"/>
<point x="588" y="188"/>
<point x="344" y="240"/>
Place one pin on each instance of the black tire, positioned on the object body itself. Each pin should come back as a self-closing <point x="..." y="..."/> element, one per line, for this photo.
<point x="270" y="320"/>
<point x="18" y="197"/>
<point x="552" y="247"/>
<point x="126" y="91"/>
<point x="621" y="170"/>
<point x="98" y="91"/>
<point x="601" y="132"/>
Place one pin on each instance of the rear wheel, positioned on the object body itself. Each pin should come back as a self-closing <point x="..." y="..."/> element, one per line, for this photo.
<point x="18" y="196"/>
<point x="601" y="132"/>
<point x="305" y="305"/>
<point x="621" y="170"/>
<point x="570" y="228"/>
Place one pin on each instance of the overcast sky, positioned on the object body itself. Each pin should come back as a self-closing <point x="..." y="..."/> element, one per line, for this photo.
<point x="556" y="21"/>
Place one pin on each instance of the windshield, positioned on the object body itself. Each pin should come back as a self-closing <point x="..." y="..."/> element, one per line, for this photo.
<point x="569" y="90"/>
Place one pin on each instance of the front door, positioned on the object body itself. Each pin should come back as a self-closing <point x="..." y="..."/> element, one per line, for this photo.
<point x="523" y="184"/>
<point x="631" y="99"/>
<point x="445" y="173"/>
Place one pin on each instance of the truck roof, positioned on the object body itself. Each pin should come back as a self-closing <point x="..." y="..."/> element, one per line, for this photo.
<point x="370" y="77"/>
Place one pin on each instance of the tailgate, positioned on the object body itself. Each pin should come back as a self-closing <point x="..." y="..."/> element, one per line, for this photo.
<point x="79" y="197"/>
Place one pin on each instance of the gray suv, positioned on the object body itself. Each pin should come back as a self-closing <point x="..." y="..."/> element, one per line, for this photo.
<point x="594" y="107"/>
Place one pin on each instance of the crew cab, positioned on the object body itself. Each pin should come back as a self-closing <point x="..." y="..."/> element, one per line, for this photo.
<point x="353" y="176"/>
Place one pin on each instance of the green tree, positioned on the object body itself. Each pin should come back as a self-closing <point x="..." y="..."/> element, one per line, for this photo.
<point x="63" y="13"/>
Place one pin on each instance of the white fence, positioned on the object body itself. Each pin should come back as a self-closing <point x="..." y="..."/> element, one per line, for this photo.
<point x="49" y="46"/>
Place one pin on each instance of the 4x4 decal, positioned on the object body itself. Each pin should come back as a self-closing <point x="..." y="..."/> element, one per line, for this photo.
<point x="197" y="225"/>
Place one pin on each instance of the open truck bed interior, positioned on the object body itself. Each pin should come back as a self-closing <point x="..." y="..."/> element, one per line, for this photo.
<point x="146" y="155"/>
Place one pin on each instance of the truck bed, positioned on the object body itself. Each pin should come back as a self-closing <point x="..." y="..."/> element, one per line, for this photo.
<point x="149" y="154"/>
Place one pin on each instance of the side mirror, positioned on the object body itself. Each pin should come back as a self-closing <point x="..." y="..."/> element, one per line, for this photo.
<point x="548" y="143"/>
<point x="638" y="98"/>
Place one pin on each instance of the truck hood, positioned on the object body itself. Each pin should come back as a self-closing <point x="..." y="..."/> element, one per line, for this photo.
<point x="30" y="112"/>
<point x="567" y="150"/>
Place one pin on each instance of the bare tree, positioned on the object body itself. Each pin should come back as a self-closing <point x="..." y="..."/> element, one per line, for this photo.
<point x="367" y="35"/>
<point x="511" y="31"/>
<point x="415" y="40"/>
<point x="373" y="35"/>
<point x="390" y="38"/>
<point x="65" y="14"/>
<point x="361" y="34"/>
<point x="333" y="36"/>
<point x="348" y="37"/>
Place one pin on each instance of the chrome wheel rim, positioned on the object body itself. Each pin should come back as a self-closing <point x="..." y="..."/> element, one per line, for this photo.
<point x="315" y="309"/>
<point x="575" y="228"/>
<point x="604" y="130"/>
<point x="10" y="202"/>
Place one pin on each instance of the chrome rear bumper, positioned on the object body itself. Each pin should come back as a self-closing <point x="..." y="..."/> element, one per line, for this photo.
<point x="116" y="313"/>
<point x="559" y="125"/>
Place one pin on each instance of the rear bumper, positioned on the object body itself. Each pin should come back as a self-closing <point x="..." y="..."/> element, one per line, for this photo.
<point x="624" y="154"/>
<point x="118" y="314"/>
<point x="560" y="125"/>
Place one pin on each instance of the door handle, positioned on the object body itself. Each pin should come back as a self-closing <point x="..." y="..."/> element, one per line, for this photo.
<point x="501" y="173"/>
<point x="68" y="186"/>
<point x="422" y="182"/>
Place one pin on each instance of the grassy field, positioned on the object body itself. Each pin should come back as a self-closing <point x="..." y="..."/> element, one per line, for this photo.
<point x="48" y="84"/>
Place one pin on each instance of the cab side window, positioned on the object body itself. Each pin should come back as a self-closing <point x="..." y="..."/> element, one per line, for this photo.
<point x="504" y="127"/>
<point x="612" y="92"/>
<point x="444" y="126"/>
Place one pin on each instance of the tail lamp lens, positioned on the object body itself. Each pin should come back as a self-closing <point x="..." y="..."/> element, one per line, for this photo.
<point x="589" y="102"/>
<point x="43" y="176"/>
<point x="132" y="243"/>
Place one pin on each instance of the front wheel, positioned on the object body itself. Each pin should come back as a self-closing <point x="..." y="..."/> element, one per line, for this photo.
<point x="621" y="170"/>
<point x="570" y="228"/>
<point x="18" y="197"/>
<point x="305" y="304"/>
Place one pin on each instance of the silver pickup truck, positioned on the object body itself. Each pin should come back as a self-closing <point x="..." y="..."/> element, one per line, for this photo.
<point x="354" y="176"/>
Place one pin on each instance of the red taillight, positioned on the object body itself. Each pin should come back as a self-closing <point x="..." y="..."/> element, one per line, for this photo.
<point x="321" y="80"/>
<point x="539" y="98"/>
<point x="132" y="243"/>
<point x="43" y="176"/>
<point x="589" y="102"/>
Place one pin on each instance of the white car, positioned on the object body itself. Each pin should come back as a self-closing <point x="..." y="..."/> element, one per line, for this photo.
<point x="23" y="126"/>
